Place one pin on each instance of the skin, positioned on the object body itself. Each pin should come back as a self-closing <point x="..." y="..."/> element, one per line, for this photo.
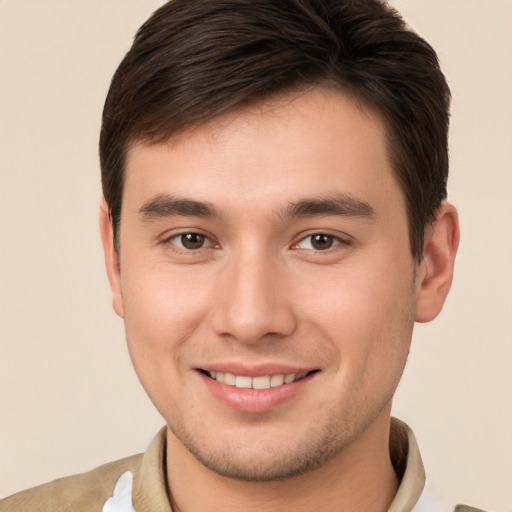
<point x="260" y="295"/>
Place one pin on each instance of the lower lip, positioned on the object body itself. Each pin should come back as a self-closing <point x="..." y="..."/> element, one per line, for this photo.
<point x="255" y="400"/>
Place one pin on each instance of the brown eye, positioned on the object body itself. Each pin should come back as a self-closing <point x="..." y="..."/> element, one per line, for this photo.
<point x="192" y="240"/>
<point x="321" y="242"/>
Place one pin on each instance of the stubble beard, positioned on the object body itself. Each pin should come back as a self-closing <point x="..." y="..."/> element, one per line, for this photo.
<point x="311" y="450"/>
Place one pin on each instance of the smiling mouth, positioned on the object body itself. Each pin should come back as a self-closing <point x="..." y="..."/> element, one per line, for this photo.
<point x="260" y="382"/>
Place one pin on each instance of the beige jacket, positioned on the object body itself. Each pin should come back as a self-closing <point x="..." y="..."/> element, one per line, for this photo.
<point x="138" y="484"/>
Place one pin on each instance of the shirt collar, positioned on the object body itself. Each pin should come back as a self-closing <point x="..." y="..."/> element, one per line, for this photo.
<point x="406" y="459"/>
<point x="150" y="480"/>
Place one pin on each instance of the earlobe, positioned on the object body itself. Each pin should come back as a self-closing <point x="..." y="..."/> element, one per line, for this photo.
<point x="111" y="258"/>
<point x="435" y="272"/>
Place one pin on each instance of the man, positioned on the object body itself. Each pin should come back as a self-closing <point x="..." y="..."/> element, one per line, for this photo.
<point x="274" y="222"/>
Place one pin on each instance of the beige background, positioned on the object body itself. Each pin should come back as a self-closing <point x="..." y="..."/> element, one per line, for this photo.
<point x="69" y="399"/>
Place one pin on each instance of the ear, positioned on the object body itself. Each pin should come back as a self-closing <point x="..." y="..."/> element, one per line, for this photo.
<point x="111" y="258"/>
<point x="435" y="271"/>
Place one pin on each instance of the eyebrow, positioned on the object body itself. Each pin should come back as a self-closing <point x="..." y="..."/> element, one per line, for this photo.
<point x="162" y="206"/>
<point x="340" y="204"/>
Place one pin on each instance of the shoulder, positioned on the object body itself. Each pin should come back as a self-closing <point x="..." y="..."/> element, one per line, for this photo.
<point x="77" y="493"/>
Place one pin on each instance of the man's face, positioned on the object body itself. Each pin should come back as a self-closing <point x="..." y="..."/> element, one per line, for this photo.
<point x="268" y="248"/>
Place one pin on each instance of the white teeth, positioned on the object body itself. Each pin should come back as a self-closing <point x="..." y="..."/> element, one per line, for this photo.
<point x="276" y="380"/>
<point x="262" y="382"/>
<point x="229" y="379"/>
<point x="243" y="382"/>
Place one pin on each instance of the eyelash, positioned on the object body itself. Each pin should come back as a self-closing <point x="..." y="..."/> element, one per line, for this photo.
<point x="335" y="241"/>
<point x="182" y="248"/>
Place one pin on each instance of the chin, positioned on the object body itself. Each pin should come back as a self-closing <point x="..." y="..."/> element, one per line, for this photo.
<point x="277" y="460"/>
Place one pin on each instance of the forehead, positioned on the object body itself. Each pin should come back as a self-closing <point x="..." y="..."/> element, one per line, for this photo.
<point x="307" y="143"/>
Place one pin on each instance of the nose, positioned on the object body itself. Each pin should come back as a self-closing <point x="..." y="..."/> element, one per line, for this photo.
<point x="253" y="300"/>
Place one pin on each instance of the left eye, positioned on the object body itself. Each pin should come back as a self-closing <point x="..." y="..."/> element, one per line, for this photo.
<point x="191" y="241"/>
<point x="318" y="242"/>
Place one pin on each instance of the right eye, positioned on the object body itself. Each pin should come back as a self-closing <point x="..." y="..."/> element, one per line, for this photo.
<point x="190" y="241"/>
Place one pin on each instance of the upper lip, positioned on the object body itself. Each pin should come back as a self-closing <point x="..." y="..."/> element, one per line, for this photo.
<point x="256" y="370"/>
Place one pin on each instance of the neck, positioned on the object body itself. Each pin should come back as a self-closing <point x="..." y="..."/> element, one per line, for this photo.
<point x="361" y="478"/>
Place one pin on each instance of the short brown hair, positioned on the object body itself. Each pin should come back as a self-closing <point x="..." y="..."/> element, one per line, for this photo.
<point x="196" y="59"/>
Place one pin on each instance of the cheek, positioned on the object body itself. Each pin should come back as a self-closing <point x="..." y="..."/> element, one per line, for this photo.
<point x="379" y="295"/>
<point x="162" y="310"/>
<point x="366" y="312"/>
<point x="371" y="330"/>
